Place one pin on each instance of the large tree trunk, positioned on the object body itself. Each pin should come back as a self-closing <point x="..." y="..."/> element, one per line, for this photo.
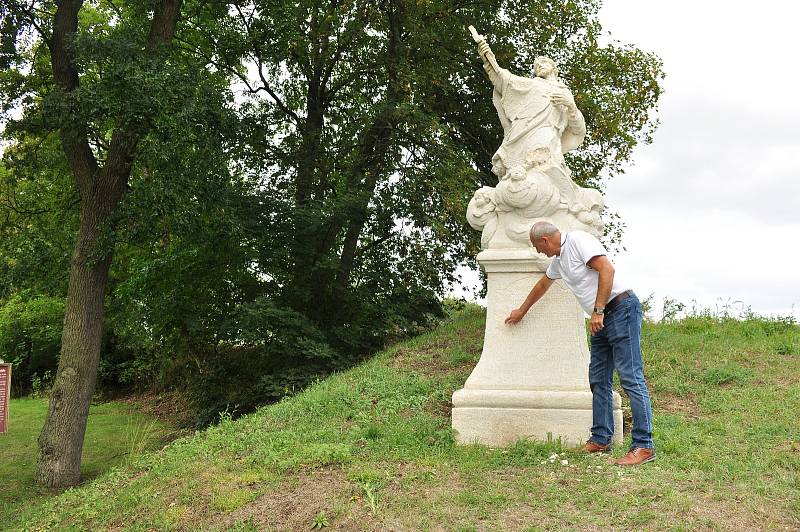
<point x="101" y="190"/>
<point x="376" y="148"/>
<point x="61" y="440"/>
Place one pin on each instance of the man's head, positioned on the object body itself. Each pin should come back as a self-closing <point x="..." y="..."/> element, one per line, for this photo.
<point x="544" y="67"/>
<point x="546" y="238"/>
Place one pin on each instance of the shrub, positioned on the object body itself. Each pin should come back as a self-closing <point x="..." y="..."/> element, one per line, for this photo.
<point x="30" y="338"/>
<point x="267" y="352"/>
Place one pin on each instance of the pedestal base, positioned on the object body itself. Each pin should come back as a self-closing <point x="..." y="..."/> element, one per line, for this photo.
<point x="532" y="378"/>
<point x="501" y="417"/>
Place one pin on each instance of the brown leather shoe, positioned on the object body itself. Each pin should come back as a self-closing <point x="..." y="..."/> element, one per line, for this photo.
<point x="637" y="456"/>
<point x="592" y="447"/>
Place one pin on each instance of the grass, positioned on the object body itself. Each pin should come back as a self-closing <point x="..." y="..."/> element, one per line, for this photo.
<point x="115" y="434"/>
<point x="371" y="448"/>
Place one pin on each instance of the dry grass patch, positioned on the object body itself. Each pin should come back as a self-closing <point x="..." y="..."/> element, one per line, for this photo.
<point x="708" y="513"/>
<point x="295" y="503"/>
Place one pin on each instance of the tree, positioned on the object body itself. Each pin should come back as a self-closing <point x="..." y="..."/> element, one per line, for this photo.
<point x="297" y="235"/>
<point x="379" y="125"/>
<point x="101" y="185"/>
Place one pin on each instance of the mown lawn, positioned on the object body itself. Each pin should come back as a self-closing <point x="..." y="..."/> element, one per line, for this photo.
<point x="115" y="434"/>
<point x="371" y="449"/>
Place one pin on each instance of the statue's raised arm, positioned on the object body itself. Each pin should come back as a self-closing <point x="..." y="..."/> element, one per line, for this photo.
<point x="536" y="112"/>
<point x="490" y="65"/>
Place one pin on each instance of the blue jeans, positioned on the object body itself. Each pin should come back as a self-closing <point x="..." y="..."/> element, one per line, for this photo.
<point x="617" y="345"/>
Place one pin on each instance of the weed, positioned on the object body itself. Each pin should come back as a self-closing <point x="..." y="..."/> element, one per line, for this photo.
<point x="139" y="434"/>
<point x="371" y="496"/>
<point x="373" y="432"/>
<point x="320" y="521"/>
<point x="244" y="526"/>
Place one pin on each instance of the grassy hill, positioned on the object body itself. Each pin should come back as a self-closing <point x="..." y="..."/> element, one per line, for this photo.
<point x="371" y="448"/>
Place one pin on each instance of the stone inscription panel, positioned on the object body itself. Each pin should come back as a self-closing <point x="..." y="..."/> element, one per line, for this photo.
<point x="548" y="347"/>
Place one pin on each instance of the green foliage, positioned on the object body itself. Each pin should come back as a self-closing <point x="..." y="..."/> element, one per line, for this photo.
<point x="30" y="338"/>
<point x="320" y="521"/>
<point x="39" y="218"/>
<point x="263" y="354"/>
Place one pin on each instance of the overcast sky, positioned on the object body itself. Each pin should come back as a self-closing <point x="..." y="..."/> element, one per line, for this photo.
<point x="711" y="206"/>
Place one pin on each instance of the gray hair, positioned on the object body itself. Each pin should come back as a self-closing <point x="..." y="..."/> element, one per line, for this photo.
<point x="540" y="229"/>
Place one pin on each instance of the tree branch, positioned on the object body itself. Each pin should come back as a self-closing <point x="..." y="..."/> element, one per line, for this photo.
<point x="272" y="94"/>
<point x="29" y="13"/>
<point x="369" y="245"/>
<point x="117" y="168"/>
<point x="73" y="138"/>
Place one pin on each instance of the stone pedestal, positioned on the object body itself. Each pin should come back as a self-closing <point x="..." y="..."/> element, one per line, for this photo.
<point x="532" y="377"/>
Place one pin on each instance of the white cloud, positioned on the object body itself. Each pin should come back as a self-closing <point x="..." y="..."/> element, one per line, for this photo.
<point x="712" y="205"/>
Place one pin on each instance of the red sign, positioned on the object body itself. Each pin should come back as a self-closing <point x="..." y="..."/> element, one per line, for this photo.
<point x="5" y="394"/>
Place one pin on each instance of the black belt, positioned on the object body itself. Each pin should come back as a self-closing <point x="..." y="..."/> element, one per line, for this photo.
<point x="619" y="299"/>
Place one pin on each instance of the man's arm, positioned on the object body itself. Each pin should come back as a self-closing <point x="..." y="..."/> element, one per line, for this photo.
<point x="605" y="280"/>
<point x="536" y="293"/>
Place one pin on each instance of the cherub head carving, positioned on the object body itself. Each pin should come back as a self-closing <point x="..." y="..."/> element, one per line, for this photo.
<point x="517" y="173"/>
<point x="484" y="199"/>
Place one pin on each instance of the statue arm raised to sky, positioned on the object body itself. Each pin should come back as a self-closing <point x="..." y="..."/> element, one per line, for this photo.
<point x="534" y="112"/>
<point x="540" y="123"/>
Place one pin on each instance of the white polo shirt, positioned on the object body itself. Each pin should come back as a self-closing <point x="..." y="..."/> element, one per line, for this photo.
<point x="577" y="249"/>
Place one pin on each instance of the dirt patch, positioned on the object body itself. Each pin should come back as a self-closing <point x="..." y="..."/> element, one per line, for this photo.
<point x="440" y="408"/>
<point x="704" y="513"/>
<point x="419" y="488"/>
<point x="414" y="496"/>
<point x="789" y="446"/>
<point x="728" y="515"/>
<point x="296" y="503"/>
<point x="786" y="380"/>
<point x="685" y="406"/>
<point x="434" y="360"/>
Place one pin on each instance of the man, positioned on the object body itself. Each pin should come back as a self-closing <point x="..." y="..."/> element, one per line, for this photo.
<point x="616" y="318"/>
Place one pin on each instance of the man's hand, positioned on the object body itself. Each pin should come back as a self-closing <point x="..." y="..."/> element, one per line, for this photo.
<point x="515" y="316"/>
<point x="483" y="48"/>
<point x="595" y="323"/>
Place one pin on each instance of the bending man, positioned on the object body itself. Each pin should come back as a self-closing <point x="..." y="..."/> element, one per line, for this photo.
<point x="616" y="319"/>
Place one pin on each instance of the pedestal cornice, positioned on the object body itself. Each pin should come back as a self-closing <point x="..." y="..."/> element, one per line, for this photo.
<point x="512" y="260"/>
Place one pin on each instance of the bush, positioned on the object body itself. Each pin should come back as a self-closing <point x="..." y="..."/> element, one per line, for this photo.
<point x="267" y="352"/>
<point x="30" y="338"/>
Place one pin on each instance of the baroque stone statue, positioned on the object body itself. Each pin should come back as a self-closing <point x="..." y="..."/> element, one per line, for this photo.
<point x="540" y="122"/>
<point x="531" y="380"/>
